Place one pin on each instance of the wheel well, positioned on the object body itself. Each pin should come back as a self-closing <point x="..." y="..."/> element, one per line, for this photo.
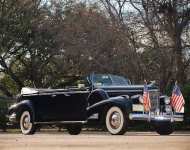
<point x="21" y="110"/>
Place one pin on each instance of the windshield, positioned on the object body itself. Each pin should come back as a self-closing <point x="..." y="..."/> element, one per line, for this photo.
<point x="109" y="80"/>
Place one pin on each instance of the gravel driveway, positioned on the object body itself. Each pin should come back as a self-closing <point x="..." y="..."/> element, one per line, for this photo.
<point x="94" y="141"/>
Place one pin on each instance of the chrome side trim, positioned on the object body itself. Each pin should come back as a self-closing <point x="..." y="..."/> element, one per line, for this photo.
<point x="55" y="93"/>
<point x="61" y="122"/>
<point x="94" y="116"/>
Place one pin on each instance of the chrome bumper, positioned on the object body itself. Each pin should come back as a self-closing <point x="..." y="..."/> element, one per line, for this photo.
<point x="12" y="118"/>
<point x="153" y="117"/>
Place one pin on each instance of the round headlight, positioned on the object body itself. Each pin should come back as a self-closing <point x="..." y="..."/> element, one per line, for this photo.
<point x="167" y="100"/>
<point x="141" y="99"/>
<point x="168" y="108"/>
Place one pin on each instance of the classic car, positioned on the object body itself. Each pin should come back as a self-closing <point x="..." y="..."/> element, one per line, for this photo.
<point x="107" y="99"/>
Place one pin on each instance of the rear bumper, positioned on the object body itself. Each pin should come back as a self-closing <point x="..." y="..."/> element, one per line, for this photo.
<point x="159" y="117"/>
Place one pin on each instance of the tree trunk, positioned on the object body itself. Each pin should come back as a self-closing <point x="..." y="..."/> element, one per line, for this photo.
<point x="180" y="73"/>
<point x="5" y="91"/>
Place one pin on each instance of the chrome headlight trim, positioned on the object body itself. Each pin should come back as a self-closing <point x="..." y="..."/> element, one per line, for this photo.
<point x="168" y="109"/>
<point x="141" y="99"/>
<point x="167" y="100"/>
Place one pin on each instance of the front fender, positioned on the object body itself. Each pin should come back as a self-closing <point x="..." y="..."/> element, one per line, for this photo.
<point x="21" y="106"/>
<point x="120" y="101"/>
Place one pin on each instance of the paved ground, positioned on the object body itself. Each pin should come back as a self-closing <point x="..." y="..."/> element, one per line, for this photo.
<point x="94" y="141"/>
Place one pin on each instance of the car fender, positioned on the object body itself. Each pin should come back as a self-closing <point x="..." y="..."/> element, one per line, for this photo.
<point x="96" y="96"/>
<point x="122" y="102"/>
<point x="19" y="107"/>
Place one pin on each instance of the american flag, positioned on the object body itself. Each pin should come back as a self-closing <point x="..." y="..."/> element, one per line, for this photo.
<point x="177" y="100"/>
<point x="146" y="98"/>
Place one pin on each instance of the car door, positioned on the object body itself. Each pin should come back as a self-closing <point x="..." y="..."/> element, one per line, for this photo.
<point x="44" y="107"/>
<point x="70" y="106"/>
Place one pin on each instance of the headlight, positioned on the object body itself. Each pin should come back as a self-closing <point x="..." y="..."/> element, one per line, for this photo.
<point x="168" y="108"/>
<point x="167" y="100"/>
<point x="141" y="99"/>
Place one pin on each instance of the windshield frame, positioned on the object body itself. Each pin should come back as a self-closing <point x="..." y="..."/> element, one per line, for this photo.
<point x="127" y="81"/>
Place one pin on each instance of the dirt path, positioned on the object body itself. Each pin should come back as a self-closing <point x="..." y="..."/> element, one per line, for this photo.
<point x="94" y="141"/>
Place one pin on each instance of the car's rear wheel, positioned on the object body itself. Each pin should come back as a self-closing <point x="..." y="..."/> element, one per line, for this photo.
<point x="164" y="128"/>
<point x="116" y="121"/>
<point x="26" y="123"/>
<point x="74" y="129"/>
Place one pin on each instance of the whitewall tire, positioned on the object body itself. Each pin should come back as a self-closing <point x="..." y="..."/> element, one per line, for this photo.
<point x="116" y="121"/>
<point x="26" y="123"/>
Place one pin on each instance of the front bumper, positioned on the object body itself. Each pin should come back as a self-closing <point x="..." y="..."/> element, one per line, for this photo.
<point x="156" y="117"/>
<point x="12" y="118"/>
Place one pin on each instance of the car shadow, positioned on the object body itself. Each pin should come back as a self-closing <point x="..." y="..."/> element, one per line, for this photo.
<point x="98" y="132"/>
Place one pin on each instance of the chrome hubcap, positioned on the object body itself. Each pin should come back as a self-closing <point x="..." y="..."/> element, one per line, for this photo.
<point x="26" y="122"/>
<point x="115" y="120"/>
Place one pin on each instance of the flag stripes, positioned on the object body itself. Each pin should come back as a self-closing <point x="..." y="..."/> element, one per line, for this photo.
<point x="146" y="98"/>
<point x="177" y="100"/>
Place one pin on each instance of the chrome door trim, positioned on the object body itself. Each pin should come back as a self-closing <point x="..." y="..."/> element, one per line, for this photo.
<point x="61" y="122"/>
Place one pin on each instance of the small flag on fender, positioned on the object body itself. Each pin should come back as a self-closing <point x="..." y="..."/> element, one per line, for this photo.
<point x="146" y="98"/>
<point x="177" y="100"/>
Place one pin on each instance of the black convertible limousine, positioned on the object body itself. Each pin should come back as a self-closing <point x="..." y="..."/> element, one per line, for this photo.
<point x="110" y="100"/>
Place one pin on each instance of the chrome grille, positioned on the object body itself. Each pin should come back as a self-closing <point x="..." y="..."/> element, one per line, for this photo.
<point x="154" y="99"/>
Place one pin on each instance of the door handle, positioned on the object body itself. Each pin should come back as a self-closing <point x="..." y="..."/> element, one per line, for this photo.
<point x="53" y="95"/>
<point x="66" y="94"/>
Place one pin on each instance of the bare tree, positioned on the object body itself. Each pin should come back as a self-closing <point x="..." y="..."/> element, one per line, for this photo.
<point x="166" y="20"/>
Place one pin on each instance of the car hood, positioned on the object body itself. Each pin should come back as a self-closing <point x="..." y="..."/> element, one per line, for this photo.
<point x="129" y="87"/>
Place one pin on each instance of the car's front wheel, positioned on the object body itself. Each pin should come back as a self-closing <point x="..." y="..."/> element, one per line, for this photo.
<point x="116" y="121"/>
<point x="74" y="129"/>
<point x="164" y="128"/>
<point x="26" y="123"/>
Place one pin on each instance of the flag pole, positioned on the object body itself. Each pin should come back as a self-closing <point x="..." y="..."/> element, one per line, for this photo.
<point x="143" y="98"/>
<point x="145" y="81"/>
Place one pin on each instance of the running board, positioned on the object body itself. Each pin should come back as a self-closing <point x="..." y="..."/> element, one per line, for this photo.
<point x="62" y="122"/>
